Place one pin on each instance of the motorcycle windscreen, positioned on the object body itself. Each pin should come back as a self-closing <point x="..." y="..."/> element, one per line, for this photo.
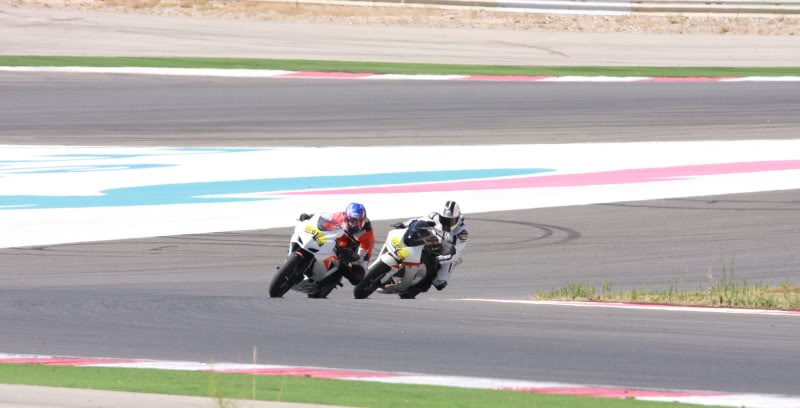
<point x="419" y="233"/>
<point x="326" y="223"/>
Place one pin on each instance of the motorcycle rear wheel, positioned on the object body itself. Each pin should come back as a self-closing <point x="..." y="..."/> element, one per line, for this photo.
<point x="283" y="280"/>
<point x="371" y="281"/>
<point x="424" y="285"/>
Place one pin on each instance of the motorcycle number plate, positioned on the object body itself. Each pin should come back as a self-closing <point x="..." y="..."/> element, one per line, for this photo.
<point x="319" y="237"/>
<point x="399" y="250"/>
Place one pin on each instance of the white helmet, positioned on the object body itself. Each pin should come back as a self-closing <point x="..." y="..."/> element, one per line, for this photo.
<point x="450" y="215"/>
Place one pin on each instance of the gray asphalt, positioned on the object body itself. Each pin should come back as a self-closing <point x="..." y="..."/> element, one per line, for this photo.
<point x="135" y="110"/>
<point x="203" y="297"/>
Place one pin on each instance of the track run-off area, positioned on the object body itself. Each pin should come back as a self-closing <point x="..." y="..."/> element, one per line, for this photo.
<point x="159" y="240"/>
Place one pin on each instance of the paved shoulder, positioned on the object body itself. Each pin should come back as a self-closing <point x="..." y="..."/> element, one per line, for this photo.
<point x="25" y="396"/>
<point x="32" y="31"/>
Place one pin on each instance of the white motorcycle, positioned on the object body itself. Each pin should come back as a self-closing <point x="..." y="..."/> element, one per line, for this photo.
<point x="316" y="251"/>
<point x="407" y="263"/>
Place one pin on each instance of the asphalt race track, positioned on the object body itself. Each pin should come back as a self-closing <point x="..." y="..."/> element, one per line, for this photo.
<point x="203" y="297"/>
<point x="132" y="110"/>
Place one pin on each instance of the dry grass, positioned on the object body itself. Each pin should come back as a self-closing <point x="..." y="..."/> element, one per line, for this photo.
<point x="445" y="18"/>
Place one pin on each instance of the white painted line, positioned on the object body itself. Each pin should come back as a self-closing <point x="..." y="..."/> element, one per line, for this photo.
<point x="417" y="77"/>
<point x="763" y="79"/>
<point x="734" y="400"/>
<point x="638" y="306"/>
<point x="469" y="382"/>
<point x="594" y="79"/>
<point x="267" y="73"/>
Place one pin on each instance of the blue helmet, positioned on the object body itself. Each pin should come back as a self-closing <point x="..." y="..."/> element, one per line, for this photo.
<point x="354" y="217"/>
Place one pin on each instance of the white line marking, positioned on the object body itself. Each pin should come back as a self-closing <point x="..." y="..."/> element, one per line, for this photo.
<point x="763" y="79"/>
<point x="594" y="79"/>
<point x="734" y="400"/>
<point x="417" y="77"/>
<point x="638" y="306"/>
<point x="267" y="73"/>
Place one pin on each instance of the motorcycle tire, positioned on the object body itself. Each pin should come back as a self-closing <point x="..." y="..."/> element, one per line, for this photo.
<point x="371" y="281"/>
<point x="283" y="280"/>
<point x="411" y="294"/>
<point x="325" y="288"/>
<point x="424" y="285"/>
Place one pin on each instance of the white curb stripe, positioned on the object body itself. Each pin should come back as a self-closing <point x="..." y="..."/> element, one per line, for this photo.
<point x="763" y="79"/>
<point x="734" y="400"/>
<point x="468" y="382"/>
<point x="419" y="77"/>
<point x="266" y="73"/>
<point x="595" y="79"/>
<point x="637" y="306"/>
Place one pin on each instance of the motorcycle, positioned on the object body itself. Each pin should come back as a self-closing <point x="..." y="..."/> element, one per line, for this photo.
<point x="407" y="263"/>
<point x="317" y="249"/>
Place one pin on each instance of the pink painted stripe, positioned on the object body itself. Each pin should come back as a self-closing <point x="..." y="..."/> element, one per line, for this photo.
<point x="572" y="180"/>
<point x="314" y="74"/>
<point x="612" y="392"/>
<point x="63" y="361"/>
<point x="685" y="79"/>
<point x="504" y="78"/>
<point x="310" y="372"/>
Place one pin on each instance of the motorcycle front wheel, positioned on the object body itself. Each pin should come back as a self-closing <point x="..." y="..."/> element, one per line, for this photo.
<point x="372" y="281"/>
<point x="282" y="281"/>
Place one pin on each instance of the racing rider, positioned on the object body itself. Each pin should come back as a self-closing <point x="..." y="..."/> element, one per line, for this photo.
<point x="450" y="222"/>
<point x="355" y="260"/>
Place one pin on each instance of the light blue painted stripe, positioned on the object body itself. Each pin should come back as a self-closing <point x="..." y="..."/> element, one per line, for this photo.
<point x="80" y="168"/>
<point x="191" y="193"/>
<point x="54" y="163"/>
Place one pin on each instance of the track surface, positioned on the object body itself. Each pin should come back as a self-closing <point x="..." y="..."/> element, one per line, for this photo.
<point x="203" y="297"/>
<point x="130" y="110"/>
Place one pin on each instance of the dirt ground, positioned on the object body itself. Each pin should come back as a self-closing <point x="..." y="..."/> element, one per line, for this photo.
<point x="434" y="18"/>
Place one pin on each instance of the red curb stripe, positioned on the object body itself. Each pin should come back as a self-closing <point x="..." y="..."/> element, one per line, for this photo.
<point x="315" y="74"/>
<point x="504" y="78"/>
<point x="66" y="361"/>
<point x="610" y="392"/>
<point x="308" y="372"/>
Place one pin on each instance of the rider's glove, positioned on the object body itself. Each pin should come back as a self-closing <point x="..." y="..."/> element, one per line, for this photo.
<point x="303" y="217"/>
<point x="348" y="255"/>
<point x="398" y="225"/>
<point x="439" y="284"/>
